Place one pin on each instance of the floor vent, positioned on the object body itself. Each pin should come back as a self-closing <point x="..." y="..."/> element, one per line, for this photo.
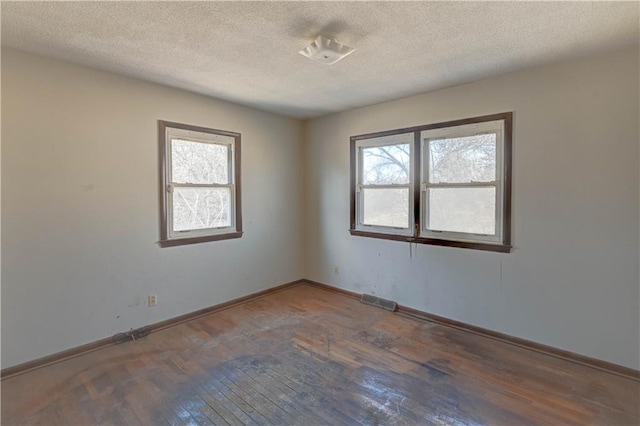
<point x="369" y="299"/>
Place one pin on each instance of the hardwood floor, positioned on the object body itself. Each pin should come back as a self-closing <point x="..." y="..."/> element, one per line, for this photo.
<point x="309" y="356"/>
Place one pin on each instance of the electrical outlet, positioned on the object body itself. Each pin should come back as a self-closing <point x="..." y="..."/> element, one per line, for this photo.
<point x="336" y="271"/>
<point x="152" y="299"/>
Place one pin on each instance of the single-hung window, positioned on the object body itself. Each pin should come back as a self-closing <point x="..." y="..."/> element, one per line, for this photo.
<point x="200" y="184"/>
<point x="462" y="182"/>
<point x="384" y="189"/>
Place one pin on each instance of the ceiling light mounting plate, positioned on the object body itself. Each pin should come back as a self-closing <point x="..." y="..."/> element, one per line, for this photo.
<point x="326" y="50"/>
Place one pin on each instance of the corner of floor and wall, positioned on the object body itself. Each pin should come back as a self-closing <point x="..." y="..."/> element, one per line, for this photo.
<point x="571" y="280"/>
<point x="80" y="207"/>
<point x="80" y="220"/>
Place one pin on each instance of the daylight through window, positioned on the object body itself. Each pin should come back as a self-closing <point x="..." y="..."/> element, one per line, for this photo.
<point x="199" y="184"/>
<point x="385" y="182"/>
<point x="445" y="183"/>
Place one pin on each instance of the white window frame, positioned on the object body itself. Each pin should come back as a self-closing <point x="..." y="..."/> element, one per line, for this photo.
<point x="170" y="131"/>
<point x="496" y="127"/>
<point x="360" y="186"/>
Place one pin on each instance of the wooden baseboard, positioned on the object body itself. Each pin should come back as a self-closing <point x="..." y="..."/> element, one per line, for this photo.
<point x="404" y="310"/>
<point x="108" y="341"/>
<point x="609" y="367"/>
<point x="54" y="358"/>
<point x="226" y="305"/>
<point x="328" y="287"/>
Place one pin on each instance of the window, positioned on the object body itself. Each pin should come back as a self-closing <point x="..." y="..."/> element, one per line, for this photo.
<point x="385" y="192"/>
<point x="445" y="184"/>
<point x="199" y="184"/>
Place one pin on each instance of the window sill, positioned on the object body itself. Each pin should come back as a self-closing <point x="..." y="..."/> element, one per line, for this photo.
<point x="203" y="239"/>
<point x="499" y="248"/>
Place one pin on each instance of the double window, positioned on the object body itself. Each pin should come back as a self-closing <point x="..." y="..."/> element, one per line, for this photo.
<point x="445" y="183"/>
<point x="199" y="184"/>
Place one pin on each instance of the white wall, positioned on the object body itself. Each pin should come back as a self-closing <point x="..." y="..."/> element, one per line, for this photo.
<point x="80" y="207"/>
<point x="572" y="279"/>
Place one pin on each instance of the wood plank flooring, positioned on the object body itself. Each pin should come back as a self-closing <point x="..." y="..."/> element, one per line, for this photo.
<point x="307" y="356"/>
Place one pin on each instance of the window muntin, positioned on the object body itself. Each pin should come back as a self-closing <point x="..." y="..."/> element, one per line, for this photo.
<point x="384" y="189"/>
<point x="456" y="190"/>
<point x="199" y="184"/>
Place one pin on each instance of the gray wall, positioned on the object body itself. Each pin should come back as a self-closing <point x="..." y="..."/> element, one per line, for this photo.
<point x="571" y="280"/>
<point x="80" y="207"/>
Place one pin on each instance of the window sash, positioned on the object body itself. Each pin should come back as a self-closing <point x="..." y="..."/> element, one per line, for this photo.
<point x="198" y="137"/>
<point x="169" y="155"/>
<point x="200" y="231"/>
<point x="425" y="231"/>
<point x="490" y="127"/>
<point x="360" y="186"/>
<point x="382" y="228"/>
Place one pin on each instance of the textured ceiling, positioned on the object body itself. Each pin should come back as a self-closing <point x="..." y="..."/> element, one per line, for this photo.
<point x="247" y="52"/>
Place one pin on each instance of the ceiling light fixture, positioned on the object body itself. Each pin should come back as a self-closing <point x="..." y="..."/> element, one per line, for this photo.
<point x="326" y="50"/>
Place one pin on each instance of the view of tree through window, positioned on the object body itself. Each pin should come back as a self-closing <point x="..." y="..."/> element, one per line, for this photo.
<point x="384" y="167"/>
<point x="443" y="183"/>
<point x="201" y="208"/>
<point x="200" y="194"/>
<point x="462" y="160"/>
<point x="200" y="163"/>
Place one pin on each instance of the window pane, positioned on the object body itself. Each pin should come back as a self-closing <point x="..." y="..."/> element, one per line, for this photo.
<point x="464" y="159"/>
<point x="386" y="207"/>
<point x="470" y="210"/>
<point x="383" y="165"/>
<point x="201" y="208"/>
<point x="197" y="162"/>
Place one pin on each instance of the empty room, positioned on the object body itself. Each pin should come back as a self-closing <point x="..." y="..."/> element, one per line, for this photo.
<point x="320" y="213"/>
